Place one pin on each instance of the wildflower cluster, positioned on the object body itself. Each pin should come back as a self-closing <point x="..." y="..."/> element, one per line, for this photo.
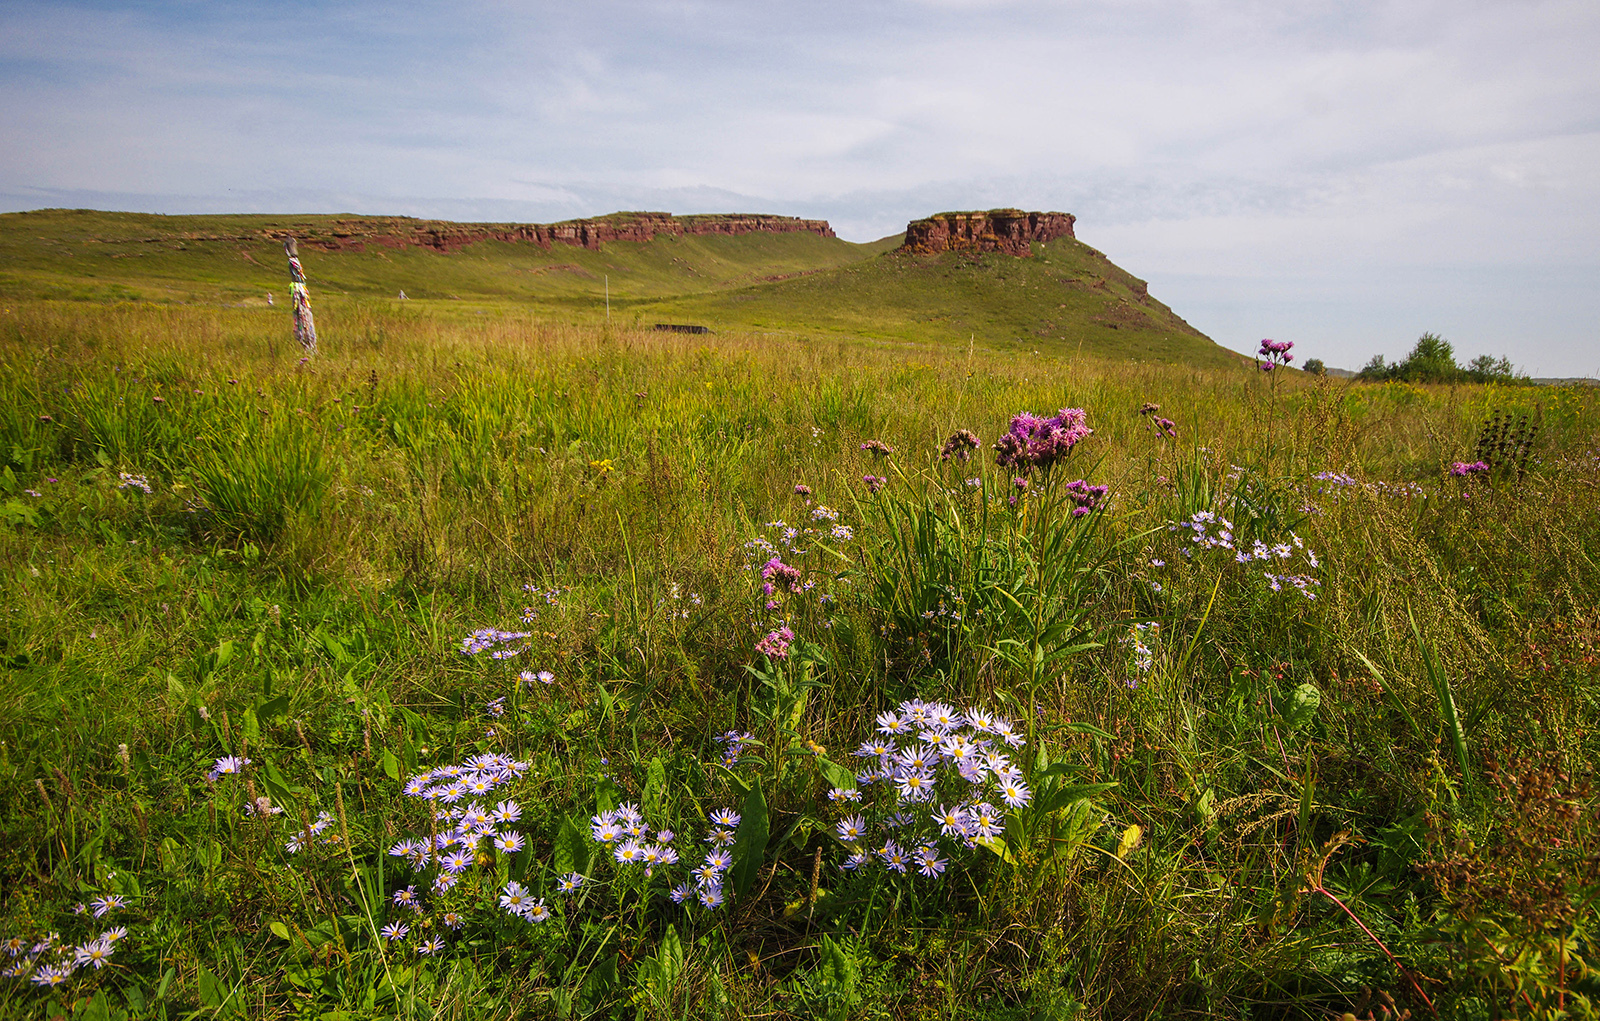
<point x="874" y="483"/>
<point x="1334" y="484"/>
<point x="960" y="446"/>
<point x="458" y="843"/>
<point x="49" y="961"/>
<point x="776" y="643"/>
<point x="1143" y="657"/>
<point x="937" y="772"/>
<point x="1164" y="428"/>
<point x="226" y="766"/>
<point x="733" y="745"/>
<point x="499" y="644"/>
<point x="1034" y="442"/>
<point x="675" y="593"/>
<point x="1086" y="498"/>
<point x="551" y="597"/>
<point x="129" y="481"/>
<point x="1273" y="353"/>
<point x="1209" y="532"/>
<point x="624" y="833"/>
<point x="877" y="448"/>
<point x="1465" y="470"/>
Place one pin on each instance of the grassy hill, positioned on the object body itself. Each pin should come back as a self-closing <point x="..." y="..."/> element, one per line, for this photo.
<point x="1069" y="297"/>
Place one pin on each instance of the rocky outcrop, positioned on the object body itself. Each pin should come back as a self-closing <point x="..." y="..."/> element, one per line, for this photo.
<point x="354" y="234"/>
<point x="1011" y="231"/>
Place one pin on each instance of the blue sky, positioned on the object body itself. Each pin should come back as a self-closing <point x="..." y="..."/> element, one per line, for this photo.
<point x="1345" y="175"/>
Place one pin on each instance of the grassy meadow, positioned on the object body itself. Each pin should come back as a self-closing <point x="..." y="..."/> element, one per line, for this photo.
<point x="362" y="686"/>
<point x="1068" y="299"/>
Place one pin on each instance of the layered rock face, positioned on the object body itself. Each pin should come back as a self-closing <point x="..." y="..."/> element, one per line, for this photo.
<point x="619" y="227"/>
<point x="355" y="234"/>
<point x="1011" y="231"/>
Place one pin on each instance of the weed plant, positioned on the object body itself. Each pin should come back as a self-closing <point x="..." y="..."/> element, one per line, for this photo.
<point x="499" y="668"/>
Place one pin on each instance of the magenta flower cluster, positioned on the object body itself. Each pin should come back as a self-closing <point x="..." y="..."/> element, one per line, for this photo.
<point x="776" y="574"/>
<point x="1465" y="469"/>
<point x="777" y="643"/>
<point x="1034" y="442"/>
<point x="960" y="446"/>
<point x="1086" y="498"/>
<point x="874" y="483"/>
<point x="1273" y="353"/>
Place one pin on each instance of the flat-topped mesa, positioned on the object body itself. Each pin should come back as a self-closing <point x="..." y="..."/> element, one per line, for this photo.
<point x="355" y="233"/>
<point x="998" y="230"/>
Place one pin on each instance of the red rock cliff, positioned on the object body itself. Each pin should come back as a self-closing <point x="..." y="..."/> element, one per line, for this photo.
<point x="999" y="230"/>
<point x="355" y="234"/>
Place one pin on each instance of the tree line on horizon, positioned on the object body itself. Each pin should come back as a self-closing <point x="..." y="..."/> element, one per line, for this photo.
<point x="1433" y="360"/>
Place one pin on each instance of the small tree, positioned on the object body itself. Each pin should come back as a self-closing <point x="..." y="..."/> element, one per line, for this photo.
<point x="1376" y="370"/>
<point x="1315" y="367"/>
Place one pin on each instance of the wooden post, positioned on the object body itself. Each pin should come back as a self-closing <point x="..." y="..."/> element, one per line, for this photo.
<point x="305" y="330"/>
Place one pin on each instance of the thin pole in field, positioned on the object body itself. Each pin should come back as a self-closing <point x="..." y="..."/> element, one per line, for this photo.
<point x="305" y="329"/>
<point x="608" y="297"/>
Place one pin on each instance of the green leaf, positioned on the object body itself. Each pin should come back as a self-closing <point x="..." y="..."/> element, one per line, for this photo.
<point x="597" y="985"/>
<point x="655" y="788"/>
<point x="212" y="993"/>
<point x="750" y="842"/>
<point x="277" y="786"/>
<point x="391" y="765"/>
<point x="224" y="654"/>
<point x="837" y="775"/>
<point x="1302" y="707"/>
<point x="273" y="707"/>
<point x="279" y="929"/>
<point x="571" y="852"/>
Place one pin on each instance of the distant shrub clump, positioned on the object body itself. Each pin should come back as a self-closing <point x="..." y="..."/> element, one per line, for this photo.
<point x="1432" y="360"/>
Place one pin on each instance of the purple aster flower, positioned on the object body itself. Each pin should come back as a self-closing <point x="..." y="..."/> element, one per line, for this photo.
<point x="893" y="857"/>
<point x="1015" y="793"/>
<point x="395" y="931"/>
<point x="952" y="821"/>
<point x="537" y="912"/>
<point x="851" y="829"/>
<point x="509" y="843"/>
<point x="95" y="954"/>
<point x="515" y="898"/>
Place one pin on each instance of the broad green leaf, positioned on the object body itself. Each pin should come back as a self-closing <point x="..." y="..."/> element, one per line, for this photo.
<point x="750" y="843"/>
<point x="1302" y="707"/>
<point x="391" y="765"/>
<point x="837" y="775"/>
<point x="571" y="852"/>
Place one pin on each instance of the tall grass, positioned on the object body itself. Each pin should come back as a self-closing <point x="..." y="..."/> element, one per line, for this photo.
<point x="1412" y="744"/>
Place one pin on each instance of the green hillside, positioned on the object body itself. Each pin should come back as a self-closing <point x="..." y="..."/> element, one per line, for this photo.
<point x="83" y="254"/>
<point x="1068" y="297"/>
